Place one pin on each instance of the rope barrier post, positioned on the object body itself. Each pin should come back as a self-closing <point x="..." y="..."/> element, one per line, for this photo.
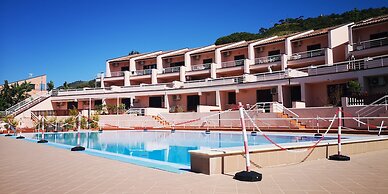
<point x="246" y="175"/>
<point x="20" y="132"/>
<point x="338" y="156"/>
<point x="381" y="128"/>
<point x="78" y="147"/>
<point x="42" y="127"/>
<point x="318" y="135"/>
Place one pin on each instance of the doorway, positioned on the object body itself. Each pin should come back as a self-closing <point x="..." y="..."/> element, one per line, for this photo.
<point x="155" y="101"/>
<point x="192" y="102"/>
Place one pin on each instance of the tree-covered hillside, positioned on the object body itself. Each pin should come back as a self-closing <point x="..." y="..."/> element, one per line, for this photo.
<point x="292" y="25"/>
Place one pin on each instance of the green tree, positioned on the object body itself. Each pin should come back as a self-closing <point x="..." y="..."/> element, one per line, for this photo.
<point x="50" y="85"/>
<point x="133" y="52"/>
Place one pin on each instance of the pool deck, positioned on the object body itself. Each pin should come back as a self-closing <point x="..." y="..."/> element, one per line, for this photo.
<point x="35" y="168"/>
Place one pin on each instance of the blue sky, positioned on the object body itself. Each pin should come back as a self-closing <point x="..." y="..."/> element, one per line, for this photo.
<point x="70" y="40"/>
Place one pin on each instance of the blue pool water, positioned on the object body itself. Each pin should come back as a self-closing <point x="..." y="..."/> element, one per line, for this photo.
<point x="163" y="145"/>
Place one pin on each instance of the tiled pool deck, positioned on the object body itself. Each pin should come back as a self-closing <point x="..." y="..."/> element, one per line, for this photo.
<point x="34" y="168"/>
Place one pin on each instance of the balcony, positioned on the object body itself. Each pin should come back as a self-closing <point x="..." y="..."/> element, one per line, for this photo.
<point x="200" y="67"/>
<point x="142" y="72"/>
<point x="117" y="74"/>
<point x="171" y="69"/>
<point x="370" y="44"/>
<point x="235" y="63"/>
<point x="307" y="54"/>
<point x="268" y="59"/>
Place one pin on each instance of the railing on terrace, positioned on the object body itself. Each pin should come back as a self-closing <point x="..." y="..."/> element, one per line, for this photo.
<point x="51" y="113"/>
<point x="271" y="75"/>
<point x="370" y="44"/>
<point x="200" y="67"/>
<point x="379" y="104"/>
<point x="307" y="54"/>
<point x="117" y="73"/>
<point x="171" y="69"/>
<point x="213" y="82"/>
<point x="136" y="111"/>
<point x="233" y="63"/>
<point x="268" y="59"/>
<point x="143" y="72"/>
<point x="351" y="65"/>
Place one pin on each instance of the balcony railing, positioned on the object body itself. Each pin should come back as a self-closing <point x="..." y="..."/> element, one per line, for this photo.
<point x="370" y="44"/>
<point x="171" y="69"/>
<point x="268" y="59"/>
<point x="143" y="72"/>
<point x="307" y="54"/>
<point x="117" y="73"/>
<point x="200" y="67"/>
<point x="233" y="63"/>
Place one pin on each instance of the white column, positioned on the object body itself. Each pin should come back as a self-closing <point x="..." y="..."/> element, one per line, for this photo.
<point x="132" y="65"/>
<point x="166" y="103"/>
<point x="217" y="57"/>
<point x="280" y="94"/>
<point x="213" y="71"/>
<point x="247" y="65"/>
<point x="102" y="80"/>
<point x="302" y="92"/>
<point x="154" y="76"/>
<point x="284" y="61"/>
<point x="188" y="61"/>
<point x="159" y="63"/>
<point x="288" y="48"/>
<point x="126" y="78"/>
<point x="182" y="74"/>
<point x="107" y="69"/>
<point x="218" y="98"/>
<point x="328" y="56"/>
<point x="131" y="101"/>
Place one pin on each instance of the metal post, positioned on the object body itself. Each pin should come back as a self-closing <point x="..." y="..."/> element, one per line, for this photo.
<point x="338" y="156"/>
<point x="242" y="120"/>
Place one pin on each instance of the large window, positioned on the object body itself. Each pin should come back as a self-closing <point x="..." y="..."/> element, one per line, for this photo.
<point x="177" y="64"/>
<point x="126" y="68"/>
<point x="231" y="97"/>
<point x="206" y="61"/>
<point x="153" y="66"/>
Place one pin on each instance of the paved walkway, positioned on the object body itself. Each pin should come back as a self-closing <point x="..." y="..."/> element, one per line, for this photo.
<point x="34" y="168"/>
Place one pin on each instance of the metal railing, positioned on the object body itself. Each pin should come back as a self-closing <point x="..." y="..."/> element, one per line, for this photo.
<point x="271" y="75"/>
<point x="200" y="67"/>
<point x="143" y="72"/>
<point x="307" y="54"/>
<point x="351" y="65"/>
<point x="171" y="69"/>
<point x="234" y="63"/>
<point x="381" y="103"/>
<point x="268" y="59"/>
<point x="136" y="111"/>
<point x="117" y="74"/>
<point x="370" y="44"/>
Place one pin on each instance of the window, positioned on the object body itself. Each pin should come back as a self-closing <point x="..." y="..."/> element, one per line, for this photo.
<point x="177" y="64"/>
<point x="275" y="52"/>
<point x="206" y="61"/>
<point x="313" y="47"/>
<point x="97" y="102"/>
<point x="239" y="59"/>
<point x="126" y="68"/>
<point x="153" y="66"/>
<point x="42" y="87"/>
<point x="231" y="97"/>
<point x="32" y="86"/>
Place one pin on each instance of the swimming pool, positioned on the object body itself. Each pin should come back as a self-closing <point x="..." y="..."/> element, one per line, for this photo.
<point x="164" y="146"/>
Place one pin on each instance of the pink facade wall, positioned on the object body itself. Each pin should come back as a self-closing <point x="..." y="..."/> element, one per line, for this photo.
<point x="234" y="52"/>
<point x="206" y="55"/>
<point x="323" y="40"/>
<point x="339" y="53"/>
<point x="364" y="33"/>
<point x="172" y="60"/>
<point x="120" y="64"/>
<point x="139" y="66"/>
<point x="37" y="81"/>
<point x="269" y="47"/>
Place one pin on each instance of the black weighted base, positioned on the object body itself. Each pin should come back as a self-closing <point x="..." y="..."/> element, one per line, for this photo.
<point x="207" y="131"/>
<point x="20" y="137"/>
<point x="78" y="148"/>
<point x="172" y="130"/>
<point x="250" y="176"/>
<point x="100" y="130"/>
<point x="317" y="135"/>
<point x="254" y="133"/>
<point x="339" y="157"/>
<point x="8" y="135"/>
<point x="145" y="130"/>
<point x="42" y="141"/>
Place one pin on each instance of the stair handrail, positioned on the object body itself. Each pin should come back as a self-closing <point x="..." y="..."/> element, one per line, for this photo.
<point x="166" y="123"/>
<point x="374" y="104"/>
<point x="287" y="109"/>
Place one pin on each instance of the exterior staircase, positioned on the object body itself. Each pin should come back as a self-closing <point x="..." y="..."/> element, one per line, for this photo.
<point x="161" y="120"/>
<point x="292" y="120"/>
<point x="25" y="105"/>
